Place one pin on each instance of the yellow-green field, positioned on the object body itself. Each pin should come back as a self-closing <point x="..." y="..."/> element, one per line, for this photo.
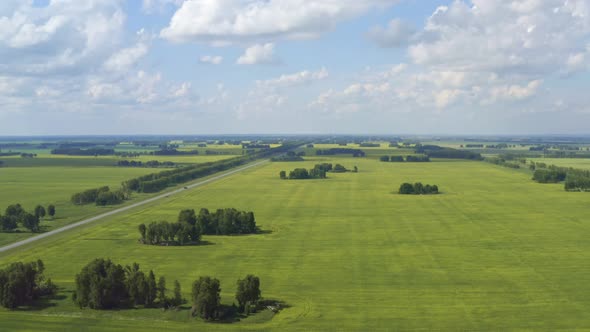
<point x="495" y="251"/>
<point x="53" y="179"/>
<point x="580" y="163"/>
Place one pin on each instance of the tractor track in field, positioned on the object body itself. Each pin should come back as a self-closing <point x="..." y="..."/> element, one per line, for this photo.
<point x="128" y="207"/>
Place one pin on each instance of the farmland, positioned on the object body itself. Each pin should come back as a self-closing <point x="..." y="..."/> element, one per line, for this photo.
<point x="493" y="251"/>
<point x="54" y="178"/>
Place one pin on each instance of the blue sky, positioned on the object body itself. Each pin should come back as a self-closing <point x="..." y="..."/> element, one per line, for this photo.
<point x="294" y="66"/>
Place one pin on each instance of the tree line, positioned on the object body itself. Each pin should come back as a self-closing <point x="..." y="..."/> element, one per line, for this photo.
<point x="418" y="189"/>
<point x="575" y="179"/>
<point x="159" y="181"/>
<point x="24" y="283"/>
<point x="289" y="156"/>
<point x="190" y="226"/>
<point x="334" y="151"/>
<point x="435" y="151"/>
<point x="174" y="152"/>
<point x="15" y="215"/>
<point x="501" y="161"/>
<point x="317" y="172"/>
<point x="100" y="196"/>
<point x="399" y="159"/>
<point x="71" y="151"/>
<point x="151" y="163"/>
<point x="103" y="284"/>
<point x="369" y="145"/>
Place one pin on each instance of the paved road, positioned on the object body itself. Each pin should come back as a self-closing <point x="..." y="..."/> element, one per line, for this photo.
<point x="128" y="207"/>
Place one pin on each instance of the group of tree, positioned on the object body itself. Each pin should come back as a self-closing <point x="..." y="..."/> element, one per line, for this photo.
<point x="102" y="284"/>
<point x="575" y="179"/>
<point x="23" y="283"/>
<point x="1" y="163"/>
<point x="317" y="172"/>
<point x="255" y="146"/>
<point x="190" y="226"/>
<point x="9" y="154"/>
<point x="418" y="189"/>
<point x="175" y="152"/>
<point x="501" y="161"/>
<point x="334" y="151"/>
<point x="207" y="300"/>
<point x="74" y="151"/>
<point x="435" y="151"/>
<point x="410" y="158"/>
<point x="290" y="156"/>
<point x="369" y="145"/>
<point x="15" y="215"/>
<point x="159" y="181"/>
<point x="28" y="155"/>
<point x="549" y="175"/>
<point x="100" y="196"/>
<point x="151" y="163"/>
<point x="577" y="182"/>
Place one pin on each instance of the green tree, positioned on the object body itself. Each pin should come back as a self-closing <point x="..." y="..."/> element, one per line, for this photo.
<point x="152" y="289"/>
<point x="187" y="216"/>
<point x="406" y="189"/>
<point x="39" y="211"/>
<point x="283" y="175"/>
<point x="8" y="223"/>
<point x="162" y="291"/>
<point x="101" y="285"/>
<point x="142" y="230"/>
<point x="14" y="210"/>
<point x="248" y="291"/>
<point x="29" y="221"/>
<point x="51" y="210"/>
<point x="177" y="294"/>
<point x="206" y="297"/>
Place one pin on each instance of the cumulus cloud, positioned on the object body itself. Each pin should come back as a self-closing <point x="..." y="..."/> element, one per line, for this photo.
<point x="299" y="78"/>
<point x="126" y="57"/>
<point x="211" y="59"/>
<point x="259" y="54"/>
<point x="396" y="34"/>
<point x="63" y="36"/>
<point x="506" y="36"/>
<point x="231" y="21"/>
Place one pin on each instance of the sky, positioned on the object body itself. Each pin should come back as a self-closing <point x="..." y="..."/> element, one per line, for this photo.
<point x="197" y="67"/>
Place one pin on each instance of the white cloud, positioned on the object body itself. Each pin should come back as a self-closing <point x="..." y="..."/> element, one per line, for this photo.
<point x="504" y="36"/>
<point x="288" y="80"/>
<point x="396" y="34"/>
<point x="127" y="57"/>
<point x="63" y="36"/>
<point x="241" y="20"/>
<point x="211" y="59"/>
<point x="259" y="54"/>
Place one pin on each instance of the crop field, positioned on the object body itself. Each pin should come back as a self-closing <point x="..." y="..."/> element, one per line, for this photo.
<point x="55" y="185"/>
<point x="580" y="163"/>
<point x="494" y="251"/>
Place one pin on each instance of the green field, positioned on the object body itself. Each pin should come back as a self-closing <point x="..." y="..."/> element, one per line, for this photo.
<point x="494" y="251"/>
<point x="55" y="185"/>
<point x="579" y="163"/>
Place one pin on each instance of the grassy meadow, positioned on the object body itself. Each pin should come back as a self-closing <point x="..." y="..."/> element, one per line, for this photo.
<point x="580" y="163"/>
<point x="52" y="179"/>
<point x="494" y="251"/>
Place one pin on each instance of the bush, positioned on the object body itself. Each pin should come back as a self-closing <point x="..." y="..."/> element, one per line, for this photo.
<point x="418" y="189"/>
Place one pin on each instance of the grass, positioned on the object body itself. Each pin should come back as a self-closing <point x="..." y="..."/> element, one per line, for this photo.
<point x="494" y="251"/>
<point x="579" y="163"/>
<point x="55" y="185"/>
<point x="49" y="160"/>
